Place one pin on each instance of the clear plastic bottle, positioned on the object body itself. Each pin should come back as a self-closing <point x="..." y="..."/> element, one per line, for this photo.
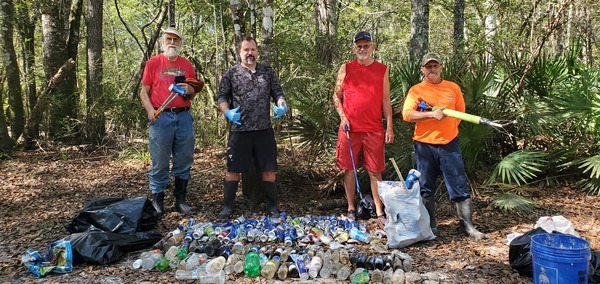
<point x="217" y="278"/>
<point x="137" y="264"/>
<point x="238" y="267"/>
<point x="315" y="266"/>
<point x="302" y="263"/>
<point x="326" y="269"/>
<point x="387" y="276"/>
<point x="282" y="272"/>
<point x="398" y="276"/>
<point x="377" y="275"/>
<point x="270" y="268"/>
<point x="150" y="258"/>
<point x="344" y="272"/>
<point x="215" y="265"/>
<point x="181" y="274"/>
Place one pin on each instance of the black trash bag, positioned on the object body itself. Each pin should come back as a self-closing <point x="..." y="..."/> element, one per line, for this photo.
<point x="116" y="215"/>
<point x="109" y="227"/>
<point x="366" y="208"/>
<point x="519" y="252"/>
<point x="594" y="273"/>
<point x="104" y="247"/>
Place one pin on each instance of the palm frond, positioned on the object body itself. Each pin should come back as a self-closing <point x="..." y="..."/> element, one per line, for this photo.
<point x="592" y="165"/>
<point x="508" y="202"/>
<point x="519" y="167"/>
<point x="590" y="185"/>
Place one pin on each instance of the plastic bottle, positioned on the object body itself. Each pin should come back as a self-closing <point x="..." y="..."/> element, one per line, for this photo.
<point x="282" y="272"/>
<point x="361" y="277"/>
<point x="150" y="258"/>
<point x="377" y="275"/>
<point x="217" y="278"/>
<point x="411" y="177"/>
<point x="302" y="263"/>
<point x="293" y="270"/>
<point x="359" y="235"/>
<point x="162" y="264"/>
<point x="137" y="264"/>
<point x="344" y="272"/>
<point x="252" y="265"/>
<point x="398" y="276"/>
<point x="344" y="256"/>
<point x="326" y="269"/>
<point x="215" y="265"/>
<point x="270" y="268"/>
<point x="238" y="267"/>
<point x="315" y="266"/>
<point x="387" y="276"/>
<point x="171" y="255"/>
<point x="191" y="262"/>
<point x="186" y="274"/>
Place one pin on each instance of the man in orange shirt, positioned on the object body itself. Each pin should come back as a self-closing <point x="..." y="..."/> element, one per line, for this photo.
<point x="362" y="98"/>
<point x="436" y="143"/>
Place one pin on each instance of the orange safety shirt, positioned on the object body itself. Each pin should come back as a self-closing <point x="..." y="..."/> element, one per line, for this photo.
<point x="445" y="94"/>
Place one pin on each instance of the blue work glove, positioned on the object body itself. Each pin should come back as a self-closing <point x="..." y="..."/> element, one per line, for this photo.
<point x="233" y="115"/>
<point x="279" y="111"/>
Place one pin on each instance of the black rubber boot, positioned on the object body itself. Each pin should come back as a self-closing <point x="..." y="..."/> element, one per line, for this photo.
<point x="271" y="198"/>
<point x="430" y="206"/>
<point x="158" y="201"/>
<point x="180" y="193"/>
<point x="229" y="190"/>
<point x="463" y="209"/>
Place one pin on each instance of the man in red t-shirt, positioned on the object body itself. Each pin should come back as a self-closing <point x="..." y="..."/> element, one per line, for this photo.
<point x="362" y="99"/>
<point x="171" y="132"/>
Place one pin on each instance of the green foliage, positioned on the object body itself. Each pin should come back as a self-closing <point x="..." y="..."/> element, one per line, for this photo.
<point x="519" y="167"/>
<point x="509" y="202"/>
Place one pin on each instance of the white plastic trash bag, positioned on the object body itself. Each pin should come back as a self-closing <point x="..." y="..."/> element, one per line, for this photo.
<point x="556" y="223"/>
<point x="407" y="218"/>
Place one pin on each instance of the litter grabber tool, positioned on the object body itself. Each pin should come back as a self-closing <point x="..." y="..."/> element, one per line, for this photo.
<point x="423" y="106"/>
<point x="175" y="91"/>
<point x="366" y="205"/>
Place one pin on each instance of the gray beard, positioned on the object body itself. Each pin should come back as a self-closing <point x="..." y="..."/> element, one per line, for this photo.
<point x="171" y="52"/>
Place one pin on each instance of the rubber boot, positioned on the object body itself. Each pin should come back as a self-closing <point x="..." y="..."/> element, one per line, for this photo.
<point x="158" y="201"/>
<point x="463" y="209"/>
<point x="180" y="193"/>
<point x="229" y="189"/>
<point x="271" y="198"/>
<point x="430" y="206"/>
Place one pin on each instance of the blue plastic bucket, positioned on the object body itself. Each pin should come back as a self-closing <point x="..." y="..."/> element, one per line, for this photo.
<point x="560" y="259"/>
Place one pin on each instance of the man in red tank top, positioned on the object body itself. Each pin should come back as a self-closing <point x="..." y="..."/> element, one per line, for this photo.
<point x="362" y="99"/>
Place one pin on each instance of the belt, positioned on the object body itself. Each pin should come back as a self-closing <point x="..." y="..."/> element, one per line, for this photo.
<point x="176" y="109"/>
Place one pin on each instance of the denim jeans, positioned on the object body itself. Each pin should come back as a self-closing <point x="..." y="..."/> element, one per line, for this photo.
<point x="446" y="159"/>
<point x="171" y="134"/>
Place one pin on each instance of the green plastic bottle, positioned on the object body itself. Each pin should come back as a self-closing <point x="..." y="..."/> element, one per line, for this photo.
<point x="252" y="265"/>
<point x="162" y="264"/>
<point x="360" y="278"/>
<point x="182" y="253"/>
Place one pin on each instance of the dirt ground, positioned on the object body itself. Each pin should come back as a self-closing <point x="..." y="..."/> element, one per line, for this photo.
<point x="42" y="191"/>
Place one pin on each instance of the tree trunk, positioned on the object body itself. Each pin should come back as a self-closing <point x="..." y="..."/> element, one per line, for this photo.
<point x="267" y="32"/>
<point x="419" y="29"/>
<point x="252" y="10"/>
<point x="459" y="30"/>
<point x="6" y="143"/>
<point x="94" y="86"/>
<point x="172" y="22"/>
<point x="13" y="78"/>
<point x="239" y="28"/>
<point x="43" y="100"/>
<point x="26" y="29"/>
<point x="56" y="48"/>
<point x="491" y="24"/>
<point x="326" y="20"/>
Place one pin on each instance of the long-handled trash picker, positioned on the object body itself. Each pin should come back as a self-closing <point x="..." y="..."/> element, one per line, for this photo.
<point x="175" y="91"/>
<point x="366" y="205"/>
<point x="497" y="124"/>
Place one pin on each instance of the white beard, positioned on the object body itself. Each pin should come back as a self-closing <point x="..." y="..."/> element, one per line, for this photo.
<point x="172" y="51"/>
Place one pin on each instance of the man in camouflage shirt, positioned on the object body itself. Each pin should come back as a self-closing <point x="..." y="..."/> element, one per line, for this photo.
<point x="244" y="96"/>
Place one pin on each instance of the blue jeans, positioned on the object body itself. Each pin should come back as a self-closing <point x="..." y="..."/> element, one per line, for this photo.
<point x="171" y="134"/>
<point x="446" y="159"/>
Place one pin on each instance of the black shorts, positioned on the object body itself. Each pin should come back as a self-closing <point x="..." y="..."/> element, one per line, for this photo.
<point x="245" y="145"/>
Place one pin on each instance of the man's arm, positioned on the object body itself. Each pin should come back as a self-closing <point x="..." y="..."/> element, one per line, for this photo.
<point x="145" y="98"/>
<point x="338" y="97"/>
<point x="387" y="108"/>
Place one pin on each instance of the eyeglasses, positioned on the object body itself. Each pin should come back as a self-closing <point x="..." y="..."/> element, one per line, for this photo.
<point x="432" y="66"/>
<point x="365" y="47"/>
<point x="173" y="39"/>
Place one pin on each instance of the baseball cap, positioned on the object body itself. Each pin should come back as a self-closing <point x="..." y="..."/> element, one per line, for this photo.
<point x="431" y="56"/>
<point x="172" y="30"/>
<point x="362" y="35"/>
